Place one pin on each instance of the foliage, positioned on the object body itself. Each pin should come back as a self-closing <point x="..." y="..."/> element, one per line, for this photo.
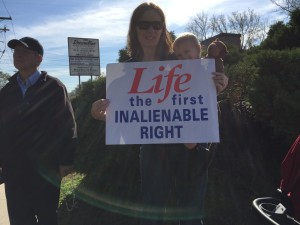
<point x="123" y="55"/>
<point x="275" y="94"/>
<point x="3" y="79"/>
<point x="173" y="36"/>
<point x="266" y="85"/>
<point x="264" y="81"/>
<point x="282" y="36"/>
<point x="89" y="92"/>
<point x="242" y="75"/>
<point x="69" y="185"/>
<point x="295" y="19"/>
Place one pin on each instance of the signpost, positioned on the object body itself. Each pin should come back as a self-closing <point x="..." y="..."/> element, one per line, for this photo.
<point x="84" y="57"/>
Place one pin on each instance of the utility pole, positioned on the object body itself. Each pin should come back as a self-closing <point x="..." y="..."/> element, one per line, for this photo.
<point x="4" y="29"/>
<point x="4" y="18"/>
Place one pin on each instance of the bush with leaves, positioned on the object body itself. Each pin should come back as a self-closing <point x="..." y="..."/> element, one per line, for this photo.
<point x="275" y="94"/>
<point x="3" y="79"/>
<point x="284" y="36"/>
<point x="266" y="83"/>
<point x="87" y="127"/>
<point x="111" y="171"/>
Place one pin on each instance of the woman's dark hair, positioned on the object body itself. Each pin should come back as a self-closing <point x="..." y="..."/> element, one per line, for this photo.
<point x="134" y="48"/>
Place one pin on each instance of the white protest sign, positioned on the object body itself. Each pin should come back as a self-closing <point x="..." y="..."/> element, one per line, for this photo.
<point x="161" y="102"/>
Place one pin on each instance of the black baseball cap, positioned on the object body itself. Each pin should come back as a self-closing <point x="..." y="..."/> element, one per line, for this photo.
<point x="27" y="42"/>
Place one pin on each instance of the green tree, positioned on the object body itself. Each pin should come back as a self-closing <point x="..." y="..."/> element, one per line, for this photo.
<point x="173" y="36"/>
<point x="264" y="80"/>
<point x="283" y="36"/>
<point x="295" y="20"/>
<point x="3" y="79"/>
<point x="275" y="92"/>
<point x="123" y="55"/>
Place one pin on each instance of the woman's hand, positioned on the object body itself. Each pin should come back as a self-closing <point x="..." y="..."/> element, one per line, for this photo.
<point x="98" y="110"/>
<point x="220" y="80"/>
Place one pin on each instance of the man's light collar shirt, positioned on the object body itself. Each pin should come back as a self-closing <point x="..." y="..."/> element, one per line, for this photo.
<point x="31" y="80"/>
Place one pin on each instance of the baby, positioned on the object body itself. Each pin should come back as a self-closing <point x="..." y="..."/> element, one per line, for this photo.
<point x="187" y="46"/>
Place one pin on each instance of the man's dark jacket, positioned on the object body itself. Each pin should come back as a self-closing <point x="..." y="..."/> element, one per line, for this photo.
<point x="37" y="130"/>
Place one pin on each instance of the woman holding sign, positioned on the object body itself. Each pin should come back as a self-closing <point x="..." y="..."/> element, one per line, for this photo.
<point x="165" y="168"/>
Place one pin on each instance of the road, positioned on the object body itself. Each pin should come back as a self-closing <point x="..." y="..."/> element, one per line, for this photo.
<point x="3" y="209"/>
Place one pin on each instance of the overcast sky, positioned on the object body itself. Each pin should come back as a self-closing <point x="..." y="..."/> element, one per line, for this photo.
<point x="52" y="22"/>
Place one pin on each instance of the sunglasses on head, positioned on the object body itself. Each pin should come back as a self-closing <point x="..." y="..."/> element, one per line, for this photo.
<point x="145" y="25"/>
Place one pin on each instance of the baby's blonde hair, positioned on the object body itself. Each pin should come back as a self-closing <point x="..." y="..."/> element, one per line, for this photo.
<point x="186" y="36"/>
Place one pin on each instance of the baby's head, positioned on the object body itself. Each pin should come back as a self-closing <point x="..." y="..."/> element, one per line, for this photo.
<point x="187" y="46"/>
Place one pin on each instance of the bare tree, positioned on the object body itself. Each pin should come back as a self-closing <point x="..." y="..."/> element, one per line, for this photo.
<point x="199" y="26"/>
<point x="247" y="23"/>
<point x="263" y="31"/>
<point x="287" y="6"/>
<point x="218" y="24"/>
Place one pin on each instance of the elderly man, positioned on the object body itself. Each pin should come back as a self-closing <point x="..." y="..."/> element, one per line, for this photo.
<point x="37" y="137"/>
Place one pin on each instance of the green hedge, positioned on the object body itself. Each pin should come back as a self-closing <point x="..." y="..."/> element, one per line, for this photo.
<point x="267" y="83"/>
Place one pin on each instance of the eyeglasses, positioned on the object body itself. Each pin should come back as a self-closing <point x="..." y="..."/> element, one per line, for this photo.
<point x="145" y="25"/>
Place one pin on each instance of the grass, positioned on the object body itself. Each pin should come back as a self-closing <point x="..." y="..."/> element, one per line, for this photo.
<point x="68" y="186"/>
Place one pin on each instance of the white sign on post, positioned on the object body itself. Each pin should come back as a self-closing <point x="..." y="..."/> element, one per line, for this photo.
<point x="161" y="102"/>
<point x="84" y="56"/>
